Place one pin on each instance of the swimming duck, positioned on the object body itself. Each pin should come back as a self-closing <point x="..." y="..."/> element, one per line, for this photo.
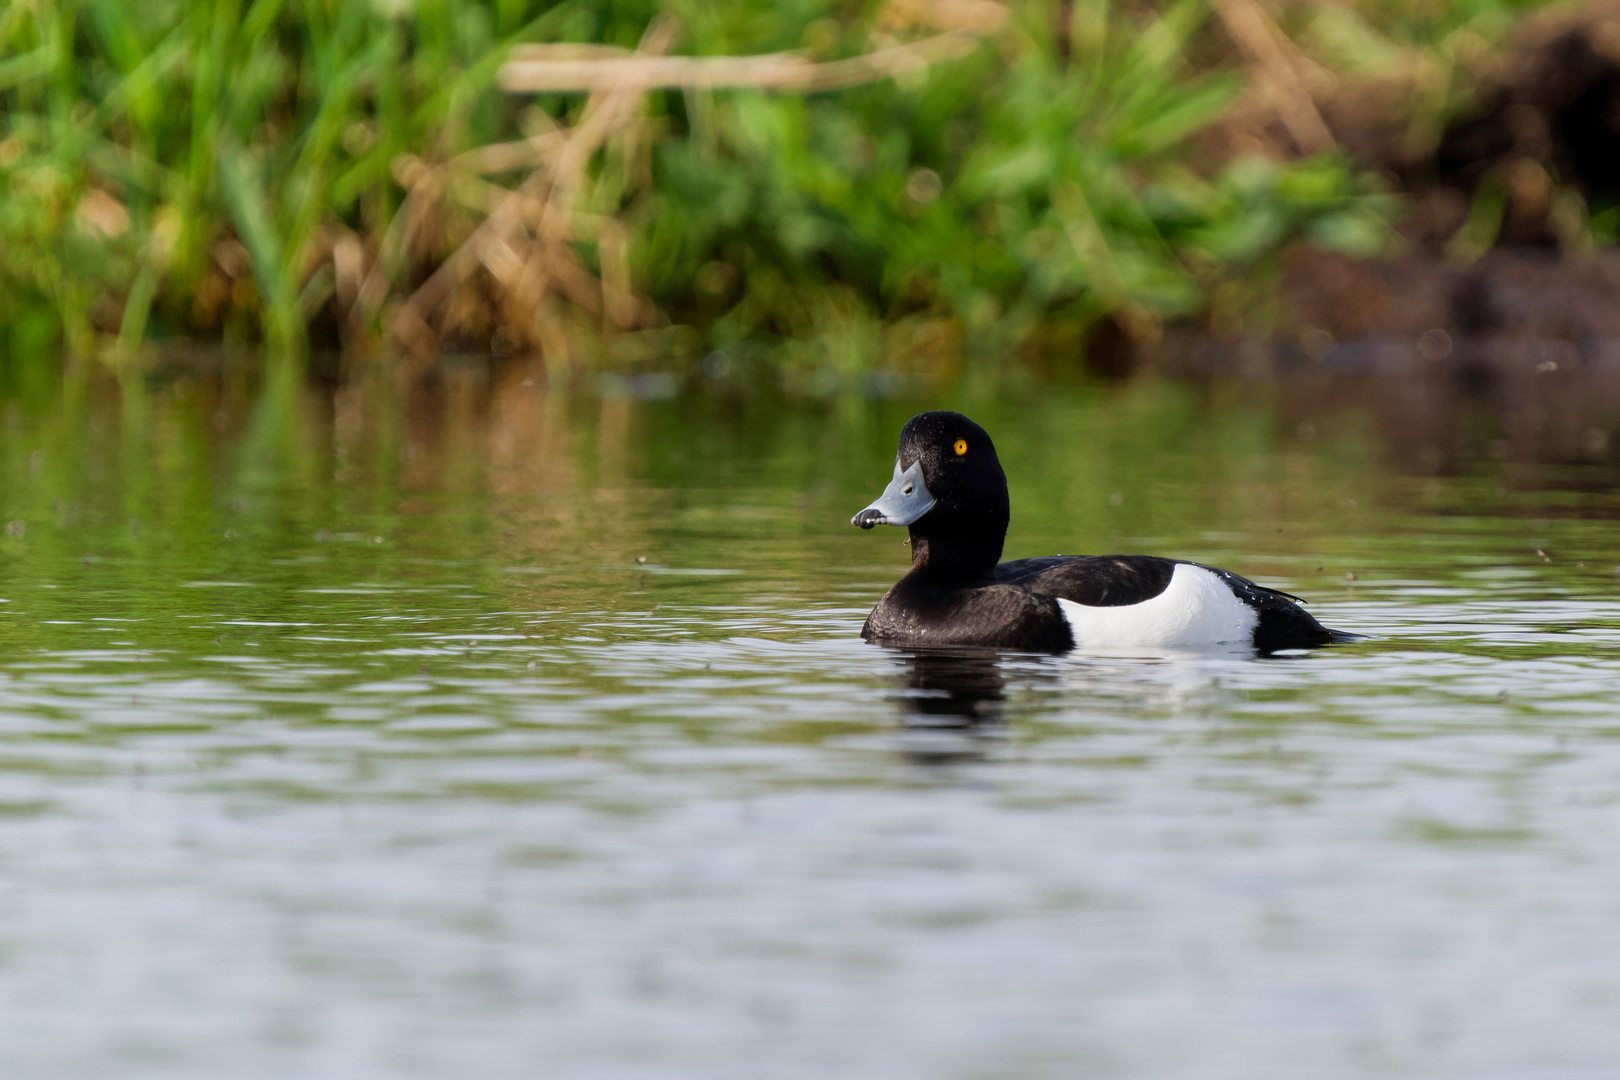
<point x="949" y="490"/>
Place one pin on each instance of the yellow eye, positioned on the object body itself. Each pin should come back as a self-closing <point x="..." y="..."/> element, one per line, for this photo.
<point x="961" y="447"/>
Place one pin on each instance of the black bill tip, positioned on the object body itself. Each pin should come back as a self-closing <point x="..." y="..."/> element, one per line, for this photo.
<point x="870" y="518"/>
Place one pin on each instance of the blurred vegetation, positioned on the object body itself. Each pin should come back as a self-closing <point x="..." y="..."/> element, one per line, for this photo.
<point x="290" y="171"/>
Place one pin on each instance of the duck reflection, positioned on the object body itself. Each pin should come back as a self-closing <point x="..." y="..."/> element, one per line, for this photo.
<point x="955" y="689"/>
<point x="953" y="701"/>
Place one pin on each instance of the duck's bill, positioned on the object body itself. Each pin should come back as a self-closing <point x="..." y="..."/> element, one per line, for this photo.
<point x="905" y="500"/>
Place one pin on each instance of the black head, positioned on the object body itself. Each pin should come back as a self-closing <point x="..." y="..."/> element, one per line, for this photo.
<point x="949" y="489"/>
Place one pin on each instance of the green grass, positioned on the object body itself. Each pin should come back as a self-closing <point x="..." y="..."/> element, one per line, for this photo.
<point x="197" y="169"/>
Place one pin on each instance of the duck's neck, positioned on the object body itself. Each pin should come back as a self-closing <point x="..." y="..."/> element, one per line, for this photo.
<point x="957" y="560"/>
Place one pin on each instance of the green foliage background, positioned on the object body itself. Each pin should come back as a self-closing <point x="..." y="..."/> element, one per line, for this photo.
<point x="1056" y="174"/>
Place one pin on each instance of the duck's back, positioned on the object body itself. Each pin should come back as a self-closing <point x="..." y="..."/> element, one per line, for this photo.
<point x="1145" y="600"/>
<point x="1092" y="580"/>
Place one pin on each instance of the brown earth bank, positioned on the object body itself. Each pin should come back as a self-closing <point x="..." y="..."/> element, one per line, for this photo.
<point x="1508" y="208"/>
<point x="1502" y="316"/>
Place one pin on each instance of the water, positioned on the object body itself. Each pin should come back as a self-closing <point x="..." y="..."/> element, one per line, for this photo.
<point x="351" y="736"/>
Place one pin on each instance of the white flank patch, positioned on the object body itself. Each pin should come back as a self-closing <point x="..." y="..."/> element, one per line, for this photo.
<point x="1196" y="609"/>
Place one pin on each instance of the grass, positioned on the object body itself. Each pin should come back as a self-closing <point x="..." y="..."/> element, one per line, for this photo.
<point x="350" y="174"/>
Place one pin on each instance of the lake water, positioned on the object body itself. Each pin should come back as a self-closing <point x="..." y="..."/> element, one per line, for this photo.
<point x="485" y="732"/>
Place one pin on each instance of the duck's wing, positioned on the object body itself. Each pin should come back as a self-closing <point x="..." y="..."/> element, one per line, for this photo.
<point x="1092" y="580"/>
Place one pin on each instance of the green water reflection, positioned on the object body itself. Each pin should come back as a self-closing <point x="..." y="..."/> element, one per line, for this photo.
<point x="203" y="498"/>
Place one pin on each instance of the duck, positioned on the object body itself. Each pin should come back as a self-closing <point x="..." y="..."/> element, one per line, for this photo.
<point x="949" y="491"/>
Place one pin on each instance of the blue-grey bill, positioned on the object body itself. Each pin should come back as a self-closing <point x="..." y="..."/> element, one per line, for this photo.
<point x="905" y="500"/>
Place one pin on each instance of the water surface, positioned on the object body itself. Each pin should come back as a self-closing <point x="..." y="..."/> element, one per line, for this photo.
<point x="490" y="732"/>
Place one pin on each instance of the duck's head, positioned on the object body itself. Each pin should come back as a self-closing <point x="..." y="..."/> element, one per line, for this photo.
<point x="949" y="490"/>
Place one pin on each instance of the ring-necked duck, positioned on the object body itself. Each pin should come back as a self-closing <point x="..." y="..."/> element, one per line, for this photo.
<point x="949" y="490"/>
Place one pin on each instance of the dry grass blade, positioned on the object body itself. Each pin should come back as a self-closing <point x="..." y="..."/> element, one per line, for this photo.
<point x="509" y="156"/>
<point x="980" y="16"/>
<point x="790" y="71"/>
<point x="1278" y="74"/>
